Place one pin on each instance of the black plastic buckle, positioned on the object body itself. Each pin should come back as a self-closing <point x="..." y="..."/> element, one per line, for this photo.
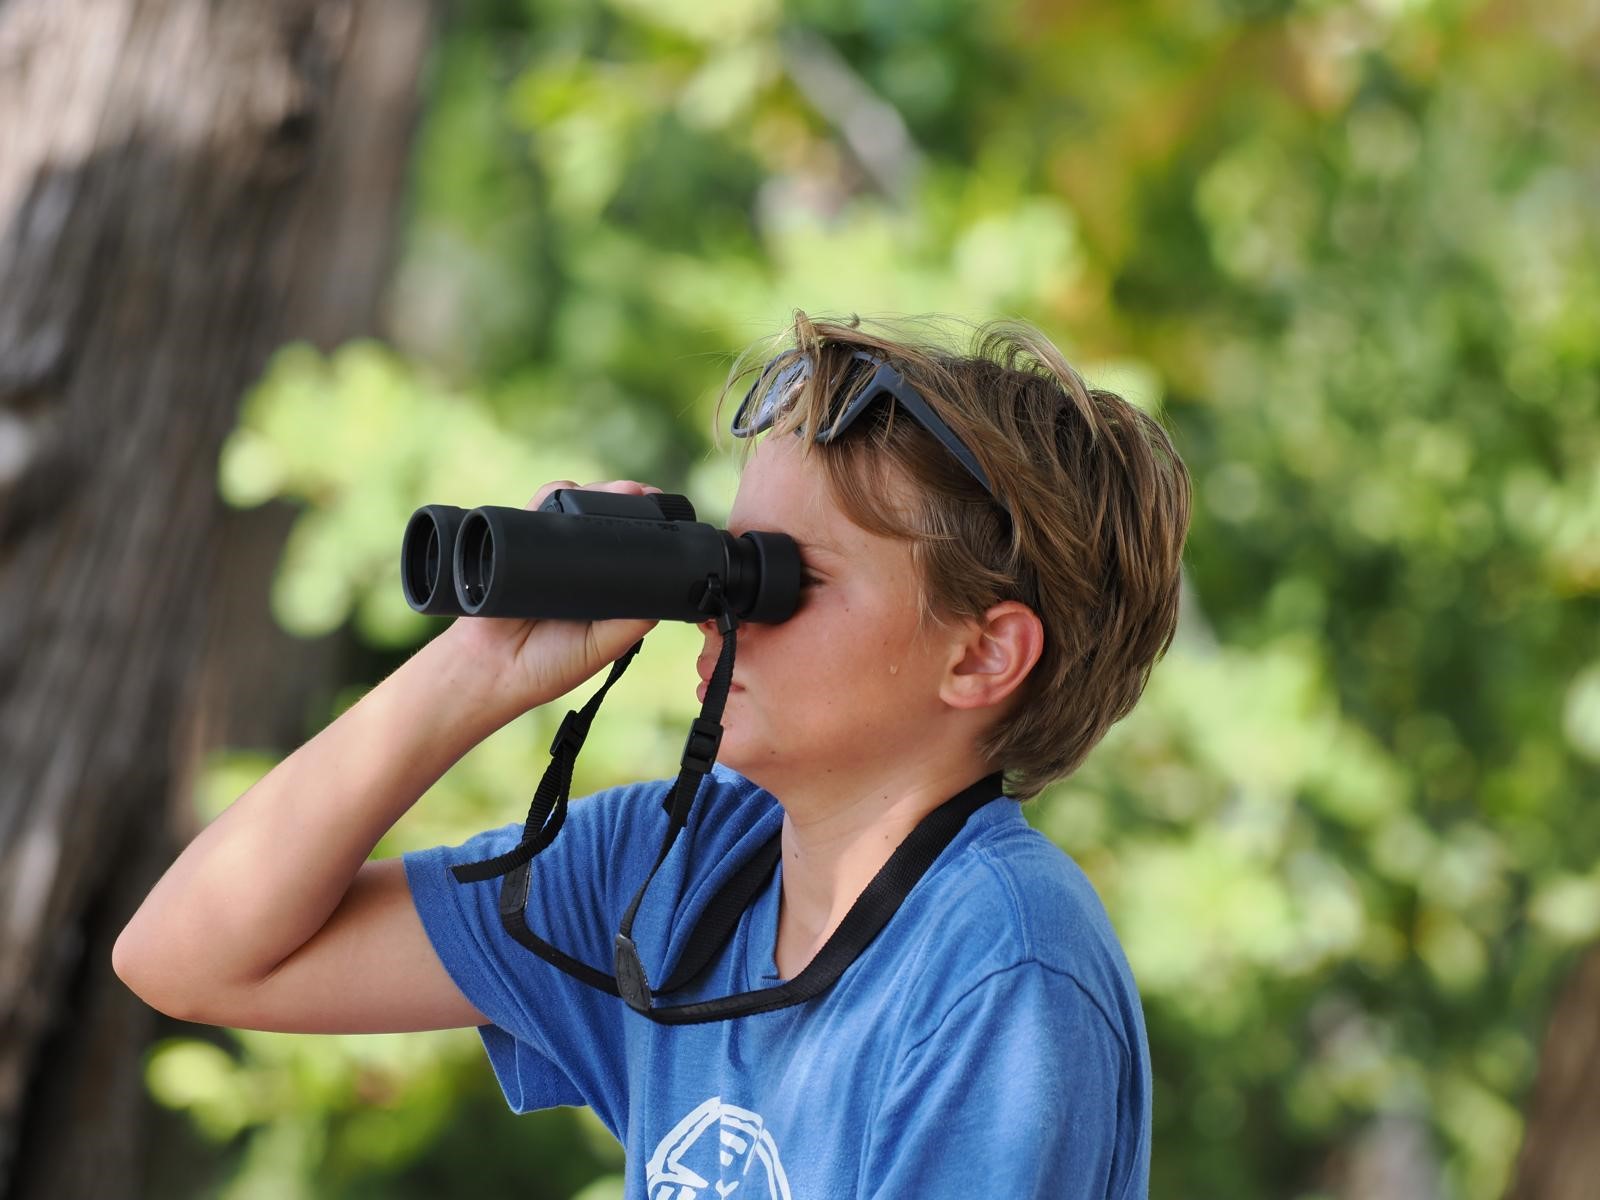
<point x="700" y="747"/>
<point x="712" y="597"/>
<point x="631" y="983"/>
<point x="568" y="735"/>
<point x="514" y="892"/>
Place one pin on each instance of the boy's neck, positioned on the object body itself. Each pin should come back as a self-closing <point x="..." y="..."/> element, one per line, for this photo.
<point x="834" y="845"/>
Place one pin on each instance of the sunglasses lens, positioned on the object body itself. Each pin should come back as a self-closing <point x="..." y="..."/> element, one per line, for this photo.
<point x="850" y="398"/>
<point x="766" y="399"/>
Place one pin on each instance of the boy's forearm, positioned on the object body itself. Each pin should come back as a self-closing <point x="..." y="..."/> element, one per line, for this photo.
<point x="263" y="877"/>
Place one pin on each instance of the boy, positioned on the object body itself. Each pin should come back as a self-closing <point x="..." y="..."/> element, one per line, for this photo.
<point x="992" y="554"/>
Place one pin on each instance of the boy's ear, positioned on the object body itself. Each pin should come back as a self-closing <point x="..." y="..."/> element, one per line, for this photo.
<point x="994" y="656"/>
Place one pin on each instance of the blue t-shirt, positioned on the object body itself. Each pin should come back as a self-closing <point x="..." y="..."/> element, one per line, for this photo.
<point x="989" y="1042"/>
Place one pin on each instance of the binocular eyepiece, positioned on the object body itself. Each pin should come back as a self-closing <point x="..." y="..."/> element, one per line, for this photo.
<point x="589" y="556"/>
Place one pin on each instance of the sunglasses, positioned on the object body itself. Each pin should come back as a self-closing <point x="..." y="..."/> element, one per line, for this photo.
<point x="867" y="380"/>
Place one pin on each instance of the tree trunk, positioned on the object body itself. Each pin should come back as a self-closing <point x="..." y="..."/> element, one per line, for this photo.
<point x="1560" y="1157"/>
<point x="184" y="185"/>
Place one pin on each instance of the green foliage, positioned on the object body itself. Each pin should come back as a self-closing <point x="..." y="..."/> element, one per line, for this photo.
<point x="1347" y="252"/>
<point x="375" y="1117"/>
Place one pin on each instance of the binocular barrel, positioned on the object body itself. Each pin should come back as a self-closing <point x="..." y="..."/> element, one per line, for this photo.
<point x="592" y="556"/>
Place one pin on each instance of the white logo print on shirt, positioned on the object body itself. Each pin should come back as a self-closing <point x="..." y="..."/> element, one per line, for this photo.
<point x="745" y="1157"/>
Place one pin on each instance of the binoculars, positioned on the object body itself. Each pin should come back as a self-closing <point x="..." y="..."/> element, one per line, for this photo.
<point x="589" y="556"/>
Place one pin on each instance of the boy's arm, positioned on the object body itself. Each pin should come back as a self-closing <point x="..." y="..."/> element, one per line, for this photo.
<point x="272" y="918"/>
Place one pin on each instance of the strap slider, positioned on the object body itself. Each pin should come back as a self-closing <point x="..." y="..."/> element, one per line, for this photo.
<point x="700" y="747"/>
<point x="570" y="735"/>
<point x="631" y="983"/>
<point x="714" y="603"/>
<point x="514" y="892"/>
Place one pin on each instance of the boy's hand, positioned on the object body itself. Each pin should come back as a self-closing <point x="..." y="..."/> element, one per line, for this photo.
<point x="528" y="663"/>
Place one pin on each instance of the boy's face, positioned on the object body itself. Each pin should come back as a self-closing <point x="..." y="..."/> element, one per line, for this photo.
<point x="846" y="686"/>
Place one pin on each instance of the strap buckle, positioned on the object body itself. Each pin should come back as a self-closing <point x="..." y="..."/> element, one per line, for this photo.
<point x="514" y="892"/>
<point x="714" y="603"/>
<point x="569" y="735"/>
<point x="700" y="747"/>
<point x="631" y="983"/>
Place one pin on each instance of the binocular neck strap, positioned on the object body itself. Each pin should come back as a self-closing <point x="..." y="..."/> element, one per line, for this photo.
<point x="866" y="918"/>
<point x="871" y="911"/>
<point x="548" y="811"/>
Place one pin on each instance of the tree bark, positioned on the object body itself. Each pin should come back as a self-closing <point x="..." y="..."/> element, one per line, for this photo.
<point x="184" y="186"/>
<point x="1560" y="1158"/>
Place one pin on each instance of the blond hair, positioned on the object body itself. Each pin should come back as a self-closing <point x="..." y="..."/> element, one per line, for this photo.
<point x="1100" y="499"/>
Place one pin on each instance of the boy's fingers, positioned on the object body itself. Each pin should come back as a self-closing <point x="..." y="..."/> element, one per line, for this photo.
<point x="625" y="486"/>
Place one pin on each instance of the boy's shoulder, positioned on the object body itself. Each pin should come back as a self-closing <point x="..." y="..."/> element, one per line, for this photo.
<point x="1012" y="873"/>
<point x="1005" y="900"/>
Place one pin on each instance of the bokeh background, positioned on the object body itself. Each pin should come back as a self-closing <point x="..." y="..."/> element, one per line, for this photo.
<point x="1349" y="253"/>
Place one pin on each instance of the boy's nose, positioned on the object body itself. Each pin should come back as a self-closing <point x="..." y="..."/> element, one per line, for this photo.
<point x="708" y="629"/>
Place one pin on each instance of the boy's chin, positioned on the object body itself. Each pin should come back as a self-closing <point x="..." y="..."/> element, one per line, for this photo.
<point x="731" y="754"/>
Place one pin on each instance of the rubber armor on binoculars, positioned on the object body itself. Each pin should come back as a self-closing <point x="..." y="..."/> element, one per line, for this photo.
<point x="589" y="556"/>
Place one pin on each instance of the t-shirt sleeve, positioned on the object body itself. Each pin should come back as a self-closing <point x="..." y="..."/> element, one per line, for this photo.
<point x="551" y="1040"/>
<point x="1024" y="1089"/>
